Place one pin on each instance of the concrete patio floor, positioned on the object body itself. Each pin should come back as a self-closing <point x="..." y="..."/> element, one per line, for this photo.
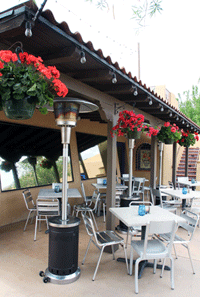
<point x="22" y="259"/>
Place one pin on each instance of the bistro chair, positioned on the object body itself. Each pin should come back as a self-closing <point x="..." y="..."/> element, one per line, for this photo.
<point x="30" y="205"/>
<point x="168" y="205"/>
<point x="101" y="240"/>
<point x="118" y="193"/>
<point x="154" y="249"/>
<point x="135" y="230"/>
<point x="90" y="209"/>
<point x="188" y="227"/>
<point x="87" y="199"/>
<point x="138" y="186"/>
<point x="46" y="208"/>
<point x="195" y="207"/>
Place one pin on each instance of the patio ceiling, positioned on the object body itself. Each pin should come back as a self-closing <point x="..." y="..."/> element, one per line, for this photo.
<point x="58" y="46"/>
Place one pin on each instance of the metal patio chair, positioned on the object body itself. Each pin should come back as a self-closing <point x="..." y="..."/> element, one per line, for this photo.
<point x="189" y="228"/>
<point x="101" y="240"/>
<point x="154" y="249"/>
<point x="90" y="209"/>
<point x="46" y="208"/>
<point x="30" y="205"/>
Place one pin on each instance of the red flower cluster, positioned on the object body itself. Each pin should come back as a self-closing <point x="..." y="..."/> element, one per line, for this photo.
<point x="188" y="139"/>
<point x="49" y="72"/>
<point x="128" y="122"/>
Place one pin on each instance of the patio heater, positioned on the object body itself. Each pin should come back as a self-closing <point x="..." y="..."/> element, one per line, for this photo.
<point x="64" y="230"/>
<point x="126" y="200"/>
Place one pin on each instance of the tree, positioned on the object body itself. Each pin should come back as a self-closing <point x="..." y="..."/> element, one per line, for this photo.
<point x="141" y="9"/>
<point x="190" y="104"/>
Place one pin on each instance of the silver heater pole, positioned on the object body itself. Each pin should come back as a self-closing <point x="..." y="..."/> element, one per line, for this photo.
<point x="131" y="143"/>
<point x="160" y="146"/>
<point x="65" y="134"/>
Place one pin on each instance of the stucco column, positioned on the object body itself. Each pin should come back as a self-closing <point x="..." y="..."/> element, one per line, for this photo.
<point x="153" y="162"/>
<point x="111" y="177"/>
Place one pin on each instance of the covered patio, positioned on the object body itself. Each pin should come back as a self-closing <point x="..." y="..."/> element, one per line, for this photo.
<point x="22" y="259"/>
<point x="104" y="83"/>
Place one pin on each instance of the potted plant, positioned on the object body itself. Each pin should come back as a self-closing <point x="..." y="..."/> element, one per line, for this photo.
<point x="188" y="139"/>
<point x="169" y="133"/>
<point x="46" y="164"/>
<point x="131" y="125"/>
<point x="6" y="166"/>
<point x="25" y="82"/>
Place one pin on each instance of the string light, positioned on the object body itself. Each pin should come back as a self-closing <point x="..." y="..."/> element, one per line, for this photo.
<point x="83" y="58"/>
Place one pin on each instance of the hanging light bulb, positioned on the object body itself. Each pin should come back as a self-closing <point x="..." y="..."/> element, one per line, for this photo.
<point x="162" y="108"/>
<point x="135" y="91"/>
<point x="114" y="78"/>
<point x="150" y="101"/>
<point x="83" y="58"/>
<point x="28" y="31"/>
<point x="170" y="114"/>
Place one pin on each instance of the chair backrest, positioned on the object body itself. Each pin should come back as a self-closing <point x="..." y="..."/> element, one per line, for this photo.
<point x="161" y="227"/>
<point x="28" y="199"/>
<point x="140" y="202"/>
<point x="83" y="192"/>
<point x="157" y="193"/>
<point x="191" y="222"/>
<point x="49" y="207"/>
<point x="89" y="225"/>
<point x="195" y="203"/>
<point x="182" y="179"/>
<point x="95" y="200"/>
<point x="138" y="185"/>
<point x="125" y="176"/>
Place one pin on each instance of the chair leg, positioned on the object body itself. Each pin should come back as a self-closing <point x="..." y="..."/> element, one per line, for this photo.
<point x="36" y="221"/>
<point x="104" y="212"/>
<point x="172" y="273"/>
<point x="190" y="259"/>
<point x="136" y="275"/>
<point x="131" y="261"/>
<point x="113" y="252"/>
<point x="27" y="220"/>
<point x="175" y="251"/>
<point x="163" y="267"/>
<point x="87" y="250"/>
<point x="154" y="266"/>
<point x="98" y="264"/>
<point x="125" y="254"/>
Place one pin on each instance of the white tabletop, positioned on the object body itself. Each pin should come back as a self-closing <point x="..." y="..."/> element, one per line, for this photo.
<point x="129" y="215"/>
<point x="49" y="193"/>
<point x="189" y="183"/>
<point x="104" y="187"/>
<point x="179" y="194"/>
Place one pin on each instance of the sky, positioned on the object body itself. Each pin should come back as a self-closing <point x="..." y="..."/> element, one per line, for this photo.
<point x="169" y="44"/>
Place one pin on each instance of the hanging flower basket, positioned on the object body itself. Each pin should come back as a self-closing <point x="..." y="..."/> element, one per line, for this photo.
<point x="46" y="164"/>
<point x="25" y="82"/>
<point x="19" y="109"/>
<point x="6" y="166"/>
<point x="168" y="133"/>
<point x="131" y="125"/>
<point x="188" y="139"/>
<point x="169" y="141"/>
<point x="134" y="134"/>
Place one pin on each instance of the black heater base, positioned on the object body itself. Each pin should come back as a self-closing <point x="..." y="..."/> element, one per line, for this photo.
<point x="63" y="251"/>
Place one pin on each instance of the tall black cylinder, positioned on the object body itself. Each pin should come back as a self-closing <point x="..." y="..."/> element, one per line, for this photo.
<point x="63" y="247"/>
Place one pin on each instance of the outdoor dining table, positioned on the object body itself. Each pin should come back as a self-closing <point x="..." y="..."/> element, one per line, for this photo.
<point x="179" y="194"/>
<point x="100" y="187"/>
<point x="189" y="183"/>
<point x="130" y="217"/>
<point x="50" y="193"/>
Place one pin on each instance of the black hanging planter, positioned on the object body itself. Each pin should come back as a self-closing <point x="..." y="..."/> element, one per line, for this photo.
<point x="22" y="109"/>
